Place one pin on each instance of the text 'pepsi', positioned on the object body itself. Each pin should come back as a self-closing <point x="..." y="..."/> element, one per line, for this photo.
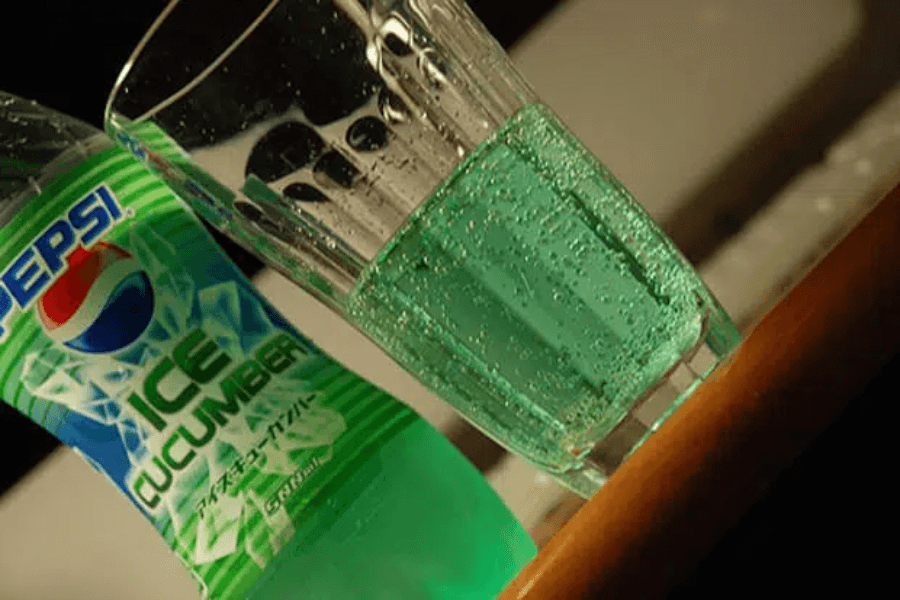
<point x="37" y="266"/>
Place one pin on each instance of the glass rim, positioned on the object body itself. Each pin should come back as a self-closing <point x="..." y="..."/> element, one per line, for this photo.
<point x="145" y="40"/>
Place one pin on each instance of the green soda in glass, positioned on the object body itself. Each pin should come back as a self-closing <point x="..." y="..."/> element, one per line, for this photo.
<point x="534" y="294"/>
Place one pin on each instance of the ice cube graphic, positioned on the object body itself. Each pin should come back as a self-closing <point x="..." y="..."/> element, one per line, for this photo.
<point x="98" y="387"/>
<point x="95" y="387"/>
<point x="263" y="543"/>
<point x="234" y="318"/>
<point x="173" y="287"/>
<point x="315" y="427"/>
<point x="218" y="530"/>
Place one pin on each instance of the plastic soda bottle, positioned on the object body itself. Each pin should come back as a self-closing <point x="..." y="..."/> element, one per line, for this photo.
<point x="271" y="471"/>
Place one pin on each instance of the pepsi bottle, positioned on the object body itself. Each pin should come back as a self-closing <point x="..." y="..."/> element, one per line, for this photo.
<point x="269" y="469"/>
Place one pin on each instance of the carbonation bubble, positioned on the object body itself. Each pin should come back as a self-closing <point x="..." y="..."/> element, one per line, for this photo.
<point x="367" y="134"/>
<point x="332" y="166"/>
<point x="303" y="192"/>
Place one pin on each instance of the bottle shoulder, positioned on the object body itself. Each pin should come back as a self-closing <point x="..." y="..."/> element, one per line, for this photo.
<point x="38" y="145"/>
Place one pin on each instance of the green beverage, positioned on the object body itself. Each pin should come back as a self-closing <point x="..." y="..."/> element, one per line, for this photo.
<point x="533" y="293"/>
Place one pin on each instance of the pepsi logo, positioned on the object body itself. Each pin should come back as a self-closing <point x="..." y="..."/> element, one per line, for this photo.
<point x="101" y="303"/>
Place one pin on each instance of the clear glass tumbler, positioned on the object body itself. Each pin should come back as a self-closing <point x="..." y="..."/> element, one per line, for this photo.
<point x="387" y="156"/>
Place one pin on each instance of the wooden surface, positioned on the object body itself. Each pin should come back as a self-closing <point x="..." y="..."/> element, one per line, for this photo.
<point x="663" y="510"/>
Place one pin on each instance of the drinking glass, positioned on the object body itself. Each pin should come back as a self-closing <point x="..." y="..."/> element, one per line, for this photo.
<point x="387" y="156"/>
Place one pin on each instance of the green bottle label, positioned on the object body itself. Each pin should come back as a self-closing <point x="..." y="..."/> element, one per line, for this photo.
<point x="127" y="333"/>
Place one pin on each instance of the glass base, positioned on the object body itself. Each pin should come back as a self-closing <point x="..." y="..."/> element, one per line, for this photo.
<point x="641" y="421"/>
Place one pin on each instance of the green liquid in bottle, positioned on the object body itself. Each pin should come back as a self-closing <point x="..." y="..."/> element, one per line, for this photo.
<point x="532" y="293"/>
<point x="397" y="530"/>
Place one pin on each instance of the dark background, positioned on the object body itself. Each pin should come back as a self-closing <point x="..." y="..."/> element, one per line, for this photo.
<point x="821" y="527"/>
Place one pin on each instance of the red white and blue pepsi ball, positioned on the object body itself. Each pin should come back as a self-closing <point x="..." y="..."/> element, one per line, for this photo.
<point x="102" y="302"/>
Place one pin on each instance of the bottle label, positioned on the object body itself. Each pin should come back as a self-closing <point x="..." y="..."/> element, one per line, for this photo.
<point x="126" y="332"/>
